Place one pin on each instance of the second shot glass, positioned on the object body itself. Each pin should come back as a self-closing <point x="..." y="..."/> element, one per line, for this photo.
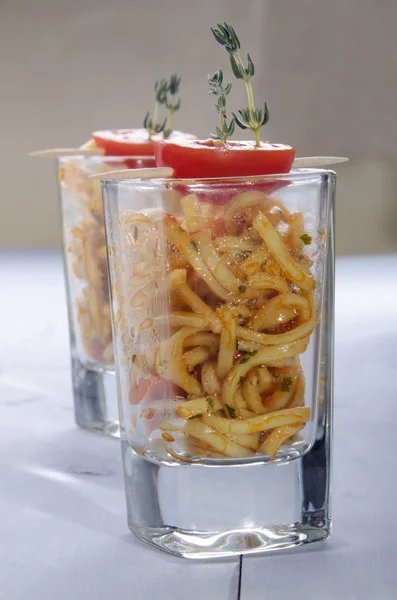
<point x="87" y="286"/>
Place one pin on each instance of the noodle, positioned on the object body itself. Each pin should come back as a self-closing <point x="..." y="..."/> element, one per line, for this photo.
<point x="281" y="254"/>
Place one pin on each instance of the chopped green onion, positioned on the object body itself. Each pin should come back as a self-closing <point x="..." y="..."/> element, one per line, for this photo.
<point x="306" y="239"/>
<point x="285" y="384"/>
<point x="231" y="411"/>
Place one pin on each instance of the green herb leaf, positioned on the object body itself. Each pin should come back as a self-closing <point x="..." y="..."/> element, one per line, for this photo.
<point x="241" y="380"/>
<point x="231" y="411"/>
<point x="243" y="360"/>
<point x="306" y="239"/>
<point x="250" y="68"/>
<point x="266" y="114"/>
<point x="221" y="102"/>
<point x="210" y="402"/>
<point x="236" y="68"/>
<point x="230" y="130"/>
<point x="239" y="122"/>
<point x="217" y="36"/>
<point x="285" y="384"/>
<point x="174" y="83"/>
<point x="242" y="288"/>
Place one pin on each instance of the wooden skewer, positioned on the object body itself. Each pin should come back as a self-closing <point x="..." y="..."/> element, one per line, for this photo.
<point x="158" y="173"/>
<point x="54" y="152"/>
<point x="301" y="161"/>
<point x="318" y="161"/>
<point x="161" y="172"/>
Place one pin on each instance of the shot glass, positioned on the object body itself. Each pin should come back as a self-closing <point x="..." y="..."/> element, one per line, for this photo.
<point x="222" y="300"/>
<point x="87" y="288"/>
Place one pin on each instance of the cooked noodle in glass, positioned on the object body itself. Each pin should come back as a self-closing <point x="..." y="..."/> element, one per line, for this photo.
<point x="219" y="302"/>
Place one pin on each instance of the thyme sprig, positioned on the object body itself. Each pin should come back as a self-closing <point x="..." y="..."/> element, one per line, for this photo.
<point x="151" y="124"/>
<point x="165" y="95"/>
<point x="250" y="117"/>
<point x="172" y="102"/>
<point x="217" y="88"/>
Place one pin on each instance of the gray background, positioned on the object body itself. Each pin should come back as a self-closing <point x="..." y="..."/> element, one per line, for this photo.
<point x="327" y="69"/>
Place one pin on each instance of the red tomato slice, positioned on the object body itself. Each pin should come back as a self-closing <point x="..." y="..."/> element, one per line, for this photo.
<point x="193" y="159"/>
<point x="124" y="142"/>
<point x="131" y="142"/>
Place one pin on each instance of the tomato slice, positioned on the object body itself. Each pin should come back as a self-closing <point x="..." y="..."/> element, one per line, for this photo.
<point x="124" y="142"/>
<point x="131" y="142"/>
<point x="193" y="159"/>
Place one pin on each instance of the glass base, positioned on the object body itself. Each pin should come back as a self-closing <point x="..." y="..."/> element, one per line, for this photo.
<point x="95" y="398"/>
<point x="204" y="545"/>
<point x="202" y="512"/>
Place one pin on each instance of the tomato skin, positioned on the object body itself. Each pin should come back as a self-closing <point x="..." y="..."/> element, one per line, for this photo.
<point x="151" y="389"/>
<point x="221" y="194"/>
<point x="136" y="162"/>
<point x="140" y="163"/>
<point x="192" y="159"/>
<point x="138" y="392"/>
<point x="218" y="227"/>
<point x="132" y="142"/>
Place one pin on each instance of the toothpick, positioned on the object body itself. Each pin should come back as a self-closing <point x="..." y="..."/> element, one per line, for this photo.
<point x="318" y="161"/>
<point x="54" y="152"/>
<point x="153" y="173"/>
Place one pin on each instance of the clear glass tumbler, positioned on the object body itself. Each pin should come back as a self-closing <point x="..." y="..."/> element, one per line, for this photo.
<point x="222" y="300"/>
<point x="93" y="371"/>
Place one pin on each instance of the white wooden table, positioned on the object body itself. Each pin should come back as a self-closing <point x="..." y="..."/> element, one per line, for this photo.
<point x="63" y="532"/>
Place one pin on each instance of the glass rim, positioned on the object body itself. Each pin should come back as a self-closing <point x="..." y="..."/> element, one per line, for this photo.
<point x="295" y="174"/>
